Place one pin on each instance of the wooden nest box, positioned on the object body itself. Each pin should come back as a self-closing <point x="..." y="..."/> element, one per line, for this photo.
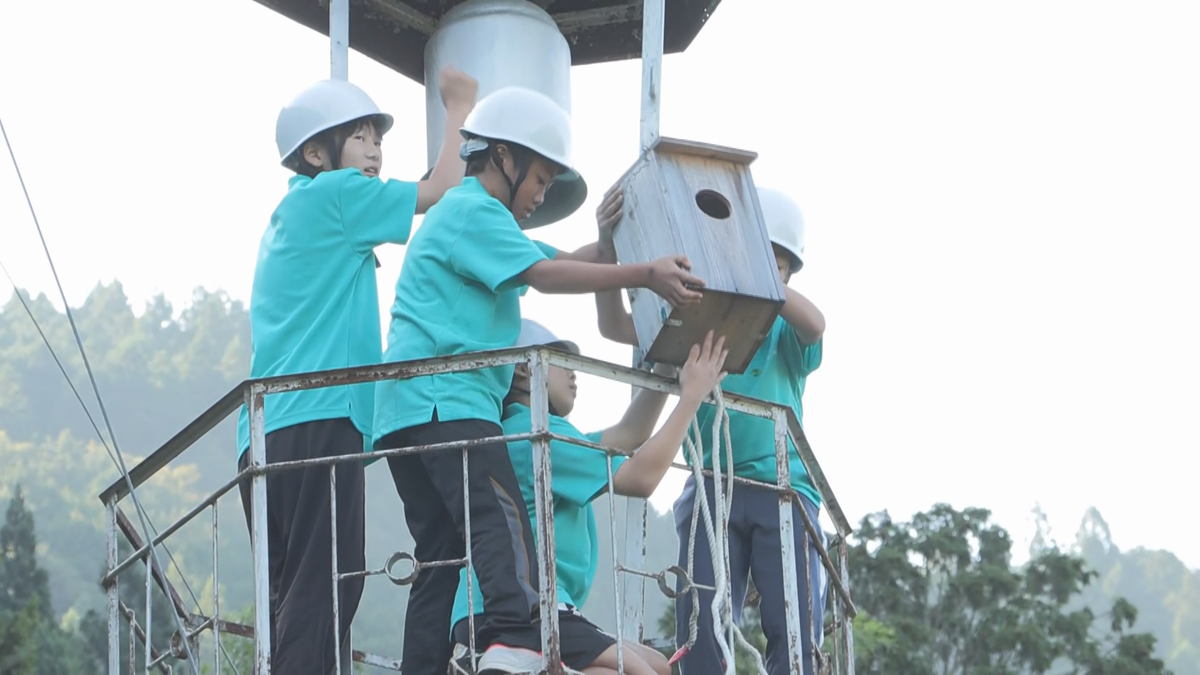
<point x="699" y="200"/>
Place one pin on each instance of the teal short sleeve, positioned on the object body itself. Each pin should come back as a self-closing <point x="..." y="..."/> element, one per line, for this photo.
<point x="580" y="474"/>
<point x="804" y="359"/>
<point x="376" y="212"/>
<point x="551" y="254"/>
<point x="492" y="249"/>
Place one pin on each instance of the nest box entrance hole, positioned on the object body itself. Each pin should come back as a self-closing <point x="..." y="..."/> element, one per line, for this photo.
<point x="713" y="204"/>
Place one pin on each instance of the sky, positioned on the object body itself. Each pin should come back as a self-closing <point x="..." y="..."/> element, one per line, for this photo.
<point x="1000" y="200"/>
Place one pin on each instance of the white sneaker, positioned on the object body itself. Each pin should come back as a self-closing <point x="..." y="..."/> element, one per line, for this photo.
<point x="505" y="660"/>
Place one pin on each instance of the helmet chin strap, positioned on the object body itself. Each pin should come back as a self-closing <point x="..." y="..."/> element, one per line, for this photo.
<point x="522" y="164"/>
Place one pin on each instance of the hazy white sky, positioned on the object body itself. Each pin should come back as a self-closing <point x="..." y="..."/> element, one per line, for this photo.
<point x="1001" y="201"/>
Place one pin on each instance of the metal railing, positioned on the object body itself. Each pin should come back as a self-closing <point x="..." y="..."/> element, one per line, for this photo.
<point x="629" y="597"/>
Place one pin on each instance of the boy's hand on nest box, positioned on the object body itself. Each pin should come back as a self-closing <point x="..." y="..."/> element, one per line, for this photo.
<point x="610" y="211"/>
<point x="670" y="278"/>
<point x="608" y="214"/>
<point x="457" y="88"/>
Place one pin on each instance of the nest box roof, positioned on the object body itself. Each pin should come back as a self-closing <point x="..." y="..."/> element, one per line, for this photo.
<point x="394" y="32"/>
<point x="677" y="146"/>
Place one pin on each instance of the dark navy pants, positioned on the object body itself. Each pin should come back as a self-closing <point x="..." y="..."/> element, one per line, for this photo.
<point x="431" y="486"/>
<point x="299" y="537"/>
<point x="754" y="552"/>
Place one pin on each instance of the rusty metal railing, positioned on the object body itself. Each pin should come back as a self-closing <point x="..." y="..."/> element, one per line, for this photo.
<point x="629" y="598"/>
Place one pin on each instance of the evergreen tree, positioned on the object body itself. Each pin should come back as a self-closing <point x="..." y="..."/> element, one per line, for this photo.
<point x="21" y="579"/>
<point x="31" y="642"/>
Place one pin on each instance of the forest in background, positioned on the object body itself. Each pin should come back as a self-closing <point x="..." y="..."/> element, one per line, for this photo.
<point x="159" y="368"/>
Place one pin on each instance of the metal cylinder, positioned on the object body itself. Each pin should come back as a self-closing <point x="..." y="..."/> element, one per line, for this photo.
<point x="501" y="43"/>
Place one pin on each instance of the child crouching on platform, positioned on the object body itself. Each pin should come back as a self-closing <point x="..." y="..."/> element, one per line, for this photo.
<point x="459" y="292"/>
<point x="777" y="373"/>
<point x="578" y="476"/>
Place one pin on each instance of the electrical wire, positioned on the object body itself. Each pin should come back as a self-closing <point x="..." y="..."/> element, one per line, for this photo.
<point x="115" y="451"/>
<point x="100" y="435"/>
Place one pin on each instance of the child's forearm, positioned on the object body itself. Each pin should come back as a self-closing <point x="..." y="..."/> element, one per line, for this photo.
<point x="640" y="475"/>
<point x="803" y="316"/>
<point x="450" y="168"/>
<point x="613" y="321"/>
<point x="573" y="277"/>
<point x="590" y="253"/>
<point x="638" y="422"/>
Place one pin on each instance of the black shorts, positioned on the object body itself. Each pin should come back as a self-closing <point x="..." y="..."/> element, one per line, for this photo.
<point x="581" y="641"/>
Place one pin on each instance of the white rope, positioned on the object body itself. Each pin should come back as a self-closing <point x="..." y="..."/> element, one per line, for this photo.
<point x="725" y="629"/>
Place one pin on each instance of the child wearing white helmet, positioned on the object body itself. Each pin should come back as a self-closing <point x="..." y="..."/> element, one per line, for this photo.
<point x="777" y="373"/>
<point x="314" y="306"/>
<point x="579" y="476"/>
<point x="459" y="292"/>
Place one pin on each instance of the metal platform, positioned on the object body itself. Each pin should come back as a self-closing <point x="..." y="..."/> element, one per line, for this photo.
<point x="394" y="32"/>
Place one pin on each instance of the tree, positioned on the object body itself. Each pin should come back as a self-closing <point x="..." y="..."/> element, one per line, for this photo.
<point x="31" y="642"/>
<point x="22" y="581"/>
<point x="943" y="587"/>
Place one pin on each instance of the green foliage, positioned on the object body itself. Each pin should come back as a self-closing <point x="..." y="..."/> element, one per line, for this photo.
<point x="18" y="640"/>
<point x="939" y="594"/>
<point x="22" y="581"/>
<point x="31" y="643"/>
<point x="944" y="588"/>
<point x="1165" y="592"/>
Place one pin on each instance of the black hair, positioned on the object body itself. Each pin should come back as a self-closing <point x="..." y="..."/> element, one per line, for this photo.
<point x="331" y="141"/>
<point x="478" y="161"/>
<point x="795" y="263"/>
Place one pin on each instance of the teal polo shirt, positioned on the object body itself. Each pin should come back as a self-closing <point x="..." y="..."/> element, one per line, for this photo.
<point x="578" y="475"/>
<point x="777" y="373"/>
<point x="314" y="303"/>
<point x="459" y="292"/>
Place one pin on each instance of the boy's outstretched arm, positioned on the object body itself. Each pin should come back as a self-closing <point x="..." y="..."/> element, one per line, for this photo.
<point x="458" y="95"/>
<point x="640" y="475"/>
<point x="803" y="317"/>
<point x="638" y="422"/>
<point x="668" y="277"/>
<point x="614" y="322"/>
<point x="589" y="253"/>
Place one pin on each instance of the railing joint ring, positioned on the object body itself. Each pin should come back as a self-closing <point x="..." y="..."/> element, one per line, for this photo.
<point x="396" y="558"/>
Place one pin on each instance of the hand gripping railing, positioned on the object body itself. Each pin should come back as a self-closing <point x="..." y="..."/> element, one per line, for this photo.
<point x="630" y="624"/>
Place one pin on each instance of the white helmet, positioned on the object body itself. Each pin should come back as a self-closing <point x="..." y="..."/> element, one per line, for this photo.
<point x="531" y="119"/>
<point x="785" y="224"/>
<point x="323" y="106"/>
<point x="534" y="334"/>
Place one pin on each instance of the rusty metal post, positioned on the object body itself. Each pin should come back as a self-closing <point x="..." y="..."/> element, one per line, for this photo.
<point x="617" y="568"/>
<point x="114" y="598"/>
<point x="633" y="587"/>
<point x="255" y="399"/>
<point x="791" y="596"/>
<point x="847" y="627"/>
<point x="149" y="616"/>
<point x="470" y="561"/>
<point x="216" y="610"/>
<point x="333" y="534"/>
<point x="539" y="404"/>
